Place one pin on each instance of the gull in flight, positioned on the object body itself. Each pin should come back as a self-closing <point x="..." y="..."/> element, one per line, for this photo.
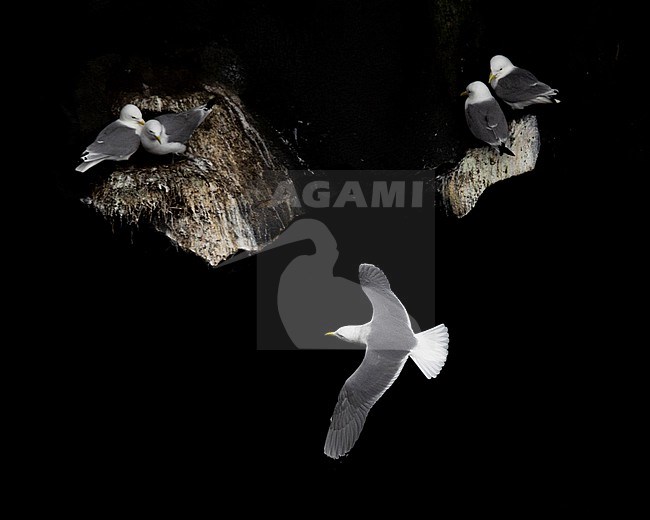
<point x="389" y="341"/>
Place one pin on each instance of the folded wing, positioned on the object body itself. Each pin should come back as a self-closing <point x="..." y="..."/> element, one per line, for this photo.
<point x="521" y="85"/>
<point x="116" y="142"/>
<point x="179" y="127"/>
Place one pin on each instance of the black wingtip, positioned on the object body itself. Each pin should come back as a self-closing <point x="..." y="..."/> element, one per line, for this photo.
<point x="503" y="149"/>
<point x="211" y="103"/>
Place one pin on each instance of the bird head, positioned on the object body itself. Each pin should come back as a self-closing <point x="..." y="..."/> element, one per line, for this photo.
<point x="131" y="116"/>
<point x="477" y="91"/>
<point x="499" y="67"/>
<point x="349" y="333"/>
<point x="153" y="129"/>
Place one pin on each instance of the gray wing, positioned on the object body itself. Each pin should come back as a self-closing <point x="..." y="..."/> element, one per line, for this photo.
<point x="116" y="141"/>
<point x="179" y="127"/>
<point x="389" y="343"/>
<point x="390" y="325"/>
<point x="520" y="85"/>
<point x="359" y="393"/>
<point x="487" y="122"/>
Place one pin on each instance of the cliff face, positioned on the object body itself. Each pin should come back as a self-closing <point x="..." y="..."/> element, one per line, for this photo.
<point x="214" y="201"/>
<point x="221" y="198"/>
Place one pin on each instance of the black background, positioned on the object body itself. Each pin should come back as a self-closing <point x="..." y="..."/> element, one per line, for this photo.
<point x="155" y="365"/>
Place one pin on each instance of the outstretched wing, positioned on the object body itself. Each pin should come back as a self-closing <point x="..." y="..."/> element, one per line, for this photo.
<point x="390" y="324"/>
<point x="389" y="341"/>
<point x="359" y="393"/>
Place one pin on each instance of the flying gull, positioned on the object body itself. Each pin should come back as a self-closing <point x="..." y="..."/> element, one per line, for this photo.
<point x="518" y="87"/>
<point x="485" y="117"/>
<point x="168" y="133"/>
<point x="117" y="142"/>
<point x="389" y="341"/>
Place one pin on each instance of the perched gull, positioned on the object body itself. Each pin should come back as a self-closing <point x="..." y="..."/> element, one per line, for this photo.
<point x="389" y="341"/>
<point x="169" y="133"/>
<point x="518" y="87"/>
<point x="117" y="142"/>
<point x="485" y="117"/>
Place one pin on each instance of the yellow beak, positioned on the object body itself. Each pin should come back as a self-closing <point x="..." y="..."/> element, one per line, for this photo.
<point x="141" y="122"/>
<point x="330" y="334"/>
<point x="158" y="138"/>
<point x="492" y="76"/>
<point x="464" y="93"/>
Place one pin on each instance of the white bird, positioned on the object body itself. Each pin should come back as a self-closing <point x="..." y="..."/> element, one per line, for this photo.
<point x="485" y="118"/>
<point x="389" y="341"/>
<point x="169" y="133"/>
<point x="117" y="142"/>
<point x="518" y="87"/>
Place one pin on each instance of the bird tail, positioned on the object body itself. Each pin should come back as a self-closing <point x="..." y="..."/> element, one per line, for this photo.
<point x="549" y="97"/>
<point x="503" y="149"/>
<point x="87" y="164"/>
<point x="430" y="352"/>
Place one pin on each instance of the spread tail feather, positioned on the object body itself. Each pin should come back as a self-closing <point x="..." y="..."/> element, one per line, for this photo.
<point x="430" y="352"/>
<point x="503" y="149"/>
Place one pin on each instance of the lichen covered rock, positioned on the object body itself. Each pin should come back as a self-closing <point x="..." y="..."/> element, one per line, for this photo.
<point x="216" y="199"/>
<point x="482" y="167"/>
